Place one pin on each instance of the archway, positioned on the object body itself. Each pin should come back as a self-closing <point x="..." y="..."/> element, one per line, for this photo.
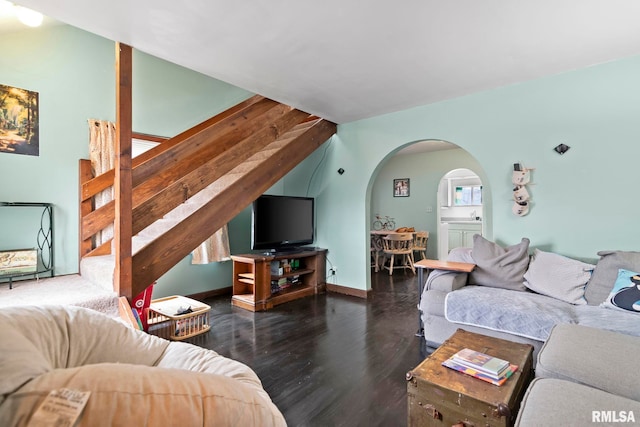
<point x="424" y="169"/>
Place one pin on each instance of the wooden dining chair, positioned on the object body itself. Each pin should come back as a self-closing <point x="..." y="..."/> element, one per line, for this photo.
<point x="376" y="251"/>
<point x="399" y="245"/>
<point x="420" y="243"/>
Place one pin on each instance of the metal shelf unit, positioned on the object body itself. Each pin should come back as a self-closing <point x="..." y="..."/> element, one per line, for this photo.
<point x="44" y="240"/>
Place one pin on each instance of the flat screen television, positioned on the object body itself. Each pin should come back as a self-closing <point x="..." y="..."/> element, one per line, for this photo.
<point x="282" y="223"/>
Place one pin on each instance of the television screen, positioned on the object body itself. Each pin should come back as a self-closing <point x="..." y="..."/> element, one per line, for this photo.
<point x="279" y="223"/>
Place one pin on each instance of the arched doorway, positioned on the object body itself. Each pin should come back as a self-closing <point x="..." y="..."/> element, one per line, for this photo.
<point x="460" y="210"/>
<point x="424" y="163"/>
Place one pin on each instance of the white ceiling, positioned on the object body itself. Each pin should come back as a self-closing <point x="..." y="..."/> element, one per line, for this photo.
<point x="346" y="60"/>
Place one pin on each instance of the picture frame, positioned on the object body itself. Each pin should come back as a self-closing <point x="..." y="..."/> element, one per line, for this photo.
<point x="401" y="187"/>
<point x="19" y="121"/>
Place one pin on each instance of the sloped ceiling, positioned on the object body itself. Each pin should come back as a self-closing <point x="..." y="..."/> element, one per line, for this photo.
<point x="346" y="60"/>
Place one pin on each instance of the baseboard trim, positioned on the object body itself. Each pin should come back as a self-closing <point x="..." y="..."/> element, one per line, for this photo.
<point x="360" y="293"/>
<point x="344" y="290"/>
<point x="210" y="294"/>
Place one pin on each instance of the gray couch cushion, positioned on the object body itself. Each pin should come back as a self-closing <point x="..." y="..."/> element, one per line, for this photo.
<point x="553" y="402"/>
<point x="432" y="302"/>
<point x="606" y="272"/>
<point x="594" y="357"/>
<point x="621" y="321"/>
<point x="448" y="282"/>
<point x="497" y="266"/>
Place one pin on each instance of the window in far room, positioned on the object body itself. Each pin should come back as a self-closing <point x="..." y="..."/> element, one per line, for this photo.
<point x="470" y="195"/>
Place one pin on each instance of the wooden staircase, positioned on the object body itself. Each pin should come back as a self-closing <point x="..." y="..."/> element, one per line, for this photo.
<point x="188" y="187"/>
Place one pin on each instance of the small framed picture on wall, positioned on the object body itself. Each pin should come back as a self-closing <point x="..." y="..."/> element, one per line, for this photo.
<point x="401" y="187"/>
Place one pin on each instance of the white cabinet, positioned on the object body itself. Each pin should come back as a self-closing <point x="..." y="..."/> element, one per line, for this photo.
<point x="461" y="235"/>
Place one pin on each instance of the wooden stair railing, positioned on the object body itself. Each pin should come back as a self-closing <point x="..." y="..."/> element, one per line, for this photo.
<point x="155" y="259"/>
<point x="181" y="153"/>
<point x="247" y="148"/>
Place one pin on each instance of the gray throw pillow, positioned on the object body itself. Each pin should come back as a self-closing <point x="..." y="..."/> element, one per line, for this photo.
<point x="499" y="267"/>
<point x="558" y="277"/>
<point x="606" y="273"/>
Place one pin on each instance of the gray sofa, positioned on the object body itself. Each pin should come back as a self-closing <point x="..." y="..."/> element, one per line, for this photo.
<point x="497" y="298"/>
<point x="584" y="376"/>
<point x="583" y="321"/>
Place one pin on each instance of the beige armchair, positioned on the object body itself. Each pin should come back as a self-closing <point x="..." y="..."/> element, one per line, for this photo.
<point x="134" y="378"/>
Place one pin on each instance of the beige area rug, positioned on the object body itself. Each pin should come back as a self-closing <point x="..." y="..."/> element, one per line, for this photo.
<point x="60" y="290"/>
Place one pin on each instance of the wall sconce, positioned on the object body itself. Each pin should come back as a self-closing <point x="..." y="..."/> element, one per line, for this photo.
<point x="561" y="149"/>
<point x="340" y="171"/>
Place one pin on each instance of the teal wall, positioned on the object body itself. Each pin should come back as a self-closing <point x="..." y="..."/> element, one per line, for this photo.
<point x="424" y="170"/>
<point x="73" y="72"/>
<point x="582" y="202"/>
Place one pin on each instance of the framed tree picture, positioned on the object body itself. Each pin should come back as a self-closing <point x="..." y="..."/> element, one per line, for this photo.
<point x="401" y="187"/>
<point x="19" y="118"/>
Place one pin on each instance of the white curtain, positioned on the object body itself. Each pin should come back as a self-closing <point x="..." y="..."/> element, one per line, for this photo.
<point x="214" y="249"/>
<point x="102" y="145"/>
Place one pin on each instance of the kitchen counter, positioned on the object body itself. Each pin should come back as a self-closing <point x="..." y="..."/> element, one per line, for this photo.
<point x="453" y="220"/>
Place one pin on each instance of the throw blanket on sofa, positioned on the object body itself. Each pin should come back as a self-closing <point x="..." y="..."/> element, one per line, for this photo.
<point x="528" y="314"/>
<point x="520" y="313"/>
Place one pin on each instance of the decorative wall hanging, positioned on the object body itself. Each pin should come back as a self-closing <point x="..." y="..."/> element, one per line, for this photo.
<point x="19" y="117"/>
<point x="561" y="148"/>
<point x="401" y="187"/>
<point x="520" y="178"/>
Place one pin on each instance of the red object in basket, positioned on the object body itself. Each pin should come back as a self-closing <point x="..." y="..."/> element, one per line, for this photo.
<point x="141" y="304"/>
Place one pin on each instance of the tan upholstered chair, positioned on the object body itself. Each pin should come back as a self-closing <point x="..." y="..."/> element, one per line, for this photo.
<point x="399" y="245"/>
<point x="165" y="383"/>
<point x="420" y="243"/>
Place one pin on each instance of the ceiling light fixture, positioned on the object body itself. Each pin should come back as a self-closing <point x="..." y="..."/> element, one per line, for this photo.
<point x="6" y="8"/>
<point x="29" y="17"/>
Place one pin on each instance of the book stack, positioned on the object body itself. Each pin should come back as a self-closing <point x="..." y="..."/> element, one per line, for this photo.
<point x="482" y="366"/>
<point x="278" y="284"/>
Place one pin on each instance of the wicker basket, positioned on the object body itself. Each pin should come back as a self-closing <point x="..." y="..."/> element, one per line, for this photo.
<point x="165" y="321"/>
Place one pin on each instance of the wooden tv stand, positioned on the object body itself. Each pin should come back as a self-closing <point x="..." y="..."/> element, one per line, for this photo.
<point x="252" y="278"/>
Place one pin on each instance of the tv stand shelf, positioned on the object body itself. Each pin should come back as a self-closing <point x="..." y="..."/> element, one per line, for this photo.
<point x="252" y="278"/>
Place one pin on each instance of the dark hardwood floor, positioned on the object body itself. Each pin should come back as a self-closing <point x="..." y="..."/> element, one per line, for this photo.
<point x="330" y="359"/>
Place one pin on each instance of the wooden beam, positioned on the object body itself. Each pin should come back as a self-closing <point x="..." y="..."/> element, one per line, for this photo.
<point x="123" y="184"/>
<point x="84" y="175"/>
<point x="147" y="137"/>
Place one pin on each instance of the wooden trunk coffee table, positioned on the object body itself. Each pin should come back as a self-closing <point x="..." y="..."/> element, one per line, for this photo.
<point x="439" y="396"/>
